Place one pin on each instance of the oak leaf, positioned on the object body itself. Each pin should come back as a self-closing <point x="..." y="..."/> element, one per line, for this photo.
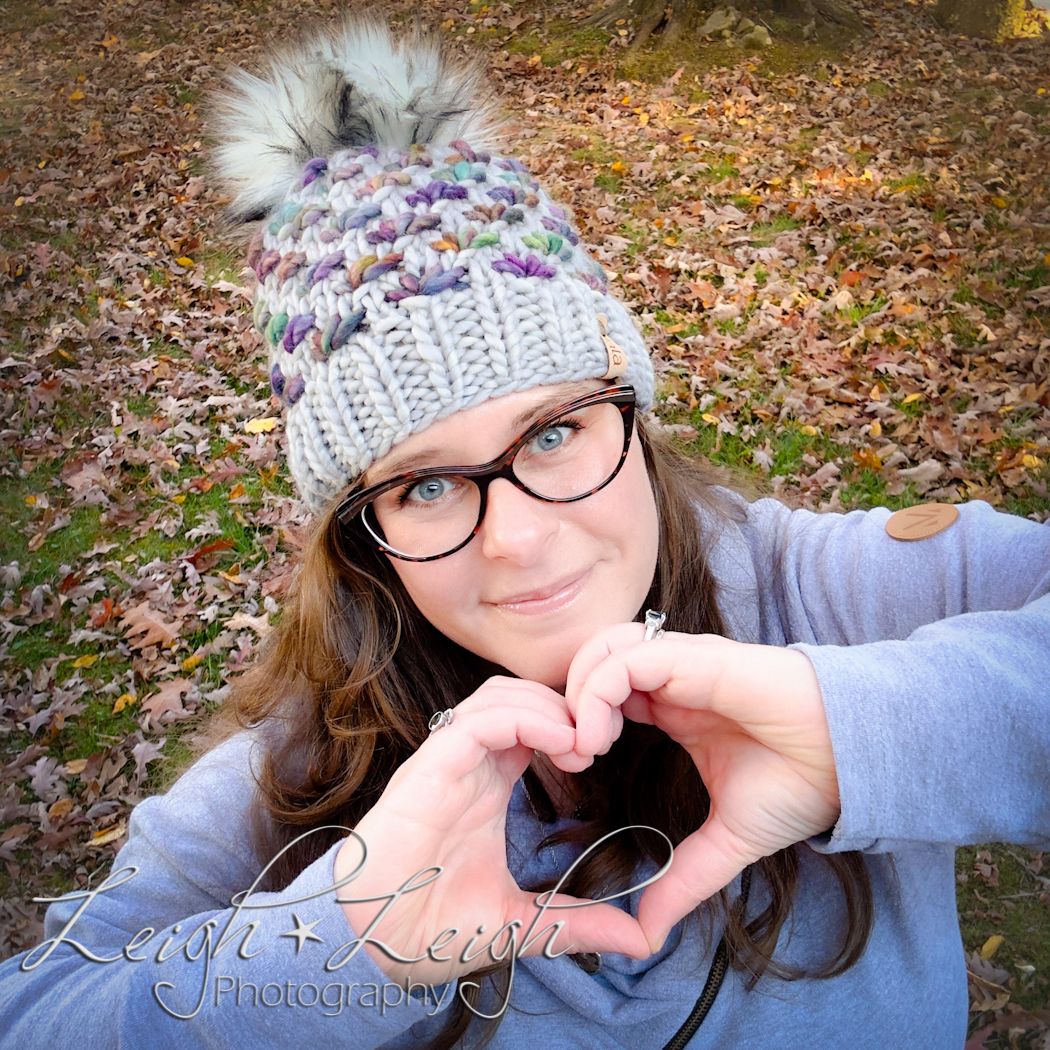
<point x="144" y="626"/>
<point x="166" y="705"/>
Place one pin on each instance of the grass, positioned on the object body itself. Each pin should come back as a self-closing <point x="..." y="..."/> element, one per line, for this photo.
<point x="765" y="233"/>
<point x="793" y="447"/>
<point x="1006" y="902"/>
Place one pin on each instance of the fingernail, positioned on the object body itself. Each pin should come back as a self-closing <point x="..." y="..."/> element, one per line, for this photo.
<point x="656" y="945"/>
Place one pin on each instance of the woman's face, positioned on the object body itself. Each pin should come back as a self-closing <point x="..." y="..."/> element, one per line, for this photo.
<point x="539" y="578"/>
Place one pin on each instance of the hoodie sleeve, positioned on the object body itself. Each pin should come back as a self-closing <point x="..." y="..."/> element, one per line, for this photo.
<point x="933" y="658"/>
<point x="156" y="957"/>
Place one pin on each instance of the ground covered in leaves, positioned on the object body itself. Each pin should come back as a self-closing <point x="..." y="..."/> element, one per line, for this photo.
<point x="842" y="261"/>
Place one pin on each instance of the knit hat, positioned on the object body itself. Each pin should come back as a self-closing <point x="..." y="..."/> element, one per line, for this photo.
<point x="406" y="270"/>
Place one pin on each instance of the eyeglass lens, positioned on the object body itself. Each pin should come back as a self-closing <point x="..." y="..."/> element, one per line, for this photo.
<point x="570" y="458"/>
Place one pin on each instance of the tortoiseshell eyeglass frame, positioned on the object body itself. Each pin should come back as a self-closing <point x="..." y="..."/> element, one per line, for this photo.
<point x="484" y="474"/>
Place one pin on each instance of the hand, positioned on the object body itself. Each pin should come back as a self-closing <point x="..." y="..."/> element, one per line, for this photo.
<point x="447" y="806"/>
<point x="752" y="719"/>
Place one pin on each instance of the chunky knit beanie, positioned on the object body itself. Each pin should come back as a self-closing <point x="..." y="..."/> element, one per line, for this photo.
<point x="405" y="269"/>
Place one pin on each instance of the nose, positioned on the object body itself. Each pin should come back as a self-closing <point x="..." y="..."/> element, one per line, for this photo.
<point x="516" y="526"/>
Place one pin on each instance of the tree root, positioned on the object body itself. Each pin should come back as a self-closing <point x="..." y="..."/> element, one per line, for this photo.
<point x="840" y="14"/>
<point x="651" y="20"/>
<point x="607" y="16"/>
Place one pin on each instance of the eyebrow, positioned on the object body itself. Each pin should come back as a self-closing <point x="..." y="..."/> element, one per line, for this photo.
<point x="424" y="457"/>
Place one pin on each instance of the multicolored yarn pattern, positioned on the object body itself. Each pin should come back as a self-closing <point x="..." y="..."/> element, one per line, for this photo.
<point x="398" y="286"/>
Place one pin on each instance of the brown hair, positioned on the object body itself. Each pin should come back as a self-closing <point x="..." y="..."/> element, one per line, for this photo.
<point x="353" y="672"/>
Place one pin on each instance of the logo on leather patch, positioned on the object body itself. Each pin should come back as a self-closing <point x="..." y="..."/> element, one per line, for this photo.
<point x="617" y="355"/>
<point x="922" y="522"/>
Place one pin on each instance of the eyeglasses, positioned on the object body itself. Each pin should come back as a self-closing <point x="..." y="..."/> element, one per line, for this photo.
<point x="568" y="455"/>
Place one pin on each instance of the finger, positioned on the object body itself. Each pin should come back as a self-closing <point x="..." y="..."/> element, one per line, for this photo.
<point x="461" y="746"/>
<point x="598" y="722"/>
<point x="636" y="708"/>
<point x="588" y="927"/>
<point x="682" y="668"/>
<point x="571" y="762"/>
<point x="703" y="863"/>
<point x="594" y="651"/>
<point x="500" y="691"/>
<point x="607" y="687"/>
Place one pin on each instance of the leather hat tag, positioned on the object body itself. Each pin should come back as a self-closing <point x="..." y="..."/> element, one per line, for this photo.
<point x="617" y="356"/>
<point x="922" y="522"/>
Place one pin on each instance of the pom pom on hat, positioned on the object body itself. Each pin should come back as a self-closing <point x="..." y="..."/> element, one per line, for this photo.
<point x="405" y="269"/>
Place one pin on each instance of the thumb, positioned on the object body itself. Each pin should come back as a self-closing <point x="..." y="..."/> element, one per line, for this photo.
<point x="587" y="926"/>
<point x="703" y="863"/>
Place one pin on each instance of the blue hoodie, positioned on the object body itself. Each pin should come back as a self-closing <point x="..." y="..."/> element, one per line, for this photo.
<point x="933" y="656"/>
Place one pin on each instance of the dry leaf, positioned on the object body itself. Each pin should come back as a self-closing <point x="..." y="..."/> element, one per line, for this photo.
<point x="57" y="810"/>
<point x="107" y="835"/>
<point x="145" y="626"/>
<point x="166" y="704"/>
<point x="122" y="701"/>
<point x="991" y="946"/>
<point x="259" y="624"/>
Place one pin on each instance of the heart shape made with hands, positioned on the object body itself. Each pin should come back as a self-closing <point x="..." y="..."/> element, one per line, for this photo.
<point x="752" y="719"/>
<point x="443" y="813"/>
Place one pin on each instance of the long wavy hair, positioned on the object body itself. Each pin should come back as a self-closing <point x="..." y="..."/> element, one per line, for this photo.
<point x="353" y="672"/>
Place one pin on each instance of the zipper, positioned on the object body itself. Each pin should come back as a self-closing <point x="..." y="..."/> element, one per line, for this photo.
<point x="715" y="977"/>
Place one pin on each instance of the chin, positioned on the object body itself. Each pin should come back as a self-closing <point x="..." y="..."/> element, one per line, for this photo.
<point x="549" y="668"/>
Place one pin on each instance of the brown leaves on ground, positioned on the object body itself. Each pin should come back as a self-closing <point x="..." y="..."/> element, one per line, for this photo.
<point x="857" y="252"/>
<point x="167" y="705"/>
<point x="143" y="626"/>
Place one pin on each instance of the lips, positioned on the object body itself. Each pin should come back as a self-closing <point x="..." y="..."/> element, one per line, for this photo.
<point x="547" y="598"/>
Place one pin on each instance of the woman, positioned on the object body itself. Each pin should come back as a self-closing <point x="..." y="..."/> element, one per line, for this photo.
<point x="463" y="680"/>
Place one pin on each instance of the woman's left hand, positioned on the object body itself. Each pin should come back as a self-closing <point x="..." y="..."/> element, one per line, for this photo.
<point x="752" y="719"/>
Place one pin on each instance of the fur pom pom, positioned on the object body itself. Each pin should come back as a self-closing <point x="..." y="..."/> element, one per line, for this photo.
<point x="350" y="86"/>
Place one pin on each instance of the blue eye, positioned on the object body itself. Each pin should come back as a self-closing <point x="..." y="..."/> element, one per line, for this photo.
<point x="427" y="491"/>
<point x="550" y="439"/>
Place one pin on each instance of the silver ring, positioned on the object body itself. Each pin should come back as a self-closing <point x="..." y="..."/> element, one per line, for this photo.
<point x="440" y="720"/>
<point x="654" y="623"/>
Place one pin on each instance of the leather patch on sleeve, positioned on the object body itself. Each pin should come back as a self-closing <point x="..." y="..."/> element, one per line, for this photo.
<point x="921" y="522"/>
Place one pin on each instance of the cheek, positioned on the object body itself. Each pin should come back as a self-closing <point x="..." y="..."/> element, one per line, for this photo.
<point x="436" y="588"/>
<point x="640" y="531"/>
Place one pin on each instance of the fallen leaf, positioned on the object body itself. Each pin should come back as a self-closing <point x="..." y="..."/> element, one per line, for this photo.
<point x="262" y="425"/>
<point x="145" y="626"/>
<point x="991" y="946"/>
<point x="166" y="704"/>
<point x="108" y="835"/>
<point x="259" y="624"/>
<point x="57" y="810"/>
<point x="122" y="701"/>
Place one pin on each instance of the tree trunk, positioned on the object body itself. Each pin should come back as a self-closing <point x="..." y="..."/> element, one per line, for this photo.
<point x="994" y="19"/>
<point x="676" y="17"/>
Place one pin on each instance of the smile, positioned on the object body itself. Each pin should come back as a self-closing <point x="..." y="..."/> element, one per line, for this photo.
<point x="544" y="600"/>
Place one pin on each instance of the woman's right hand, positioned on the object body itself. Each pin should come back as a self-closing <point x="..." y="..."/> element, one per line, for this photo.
<point x="447" y="806"/>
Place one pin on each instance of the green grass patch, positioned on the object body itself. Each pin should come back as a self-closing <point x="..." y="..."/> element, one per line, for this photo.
<point x="1003" y="899"/>
<point x="598" y="152"/>
<point x="856" y="312"/>
<point x="561" y="40"/>
<point x="719" y="168"/>
<point x="914" y="182"/>
<point x="220" y="264"/>
<point x="764" y="233"/>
